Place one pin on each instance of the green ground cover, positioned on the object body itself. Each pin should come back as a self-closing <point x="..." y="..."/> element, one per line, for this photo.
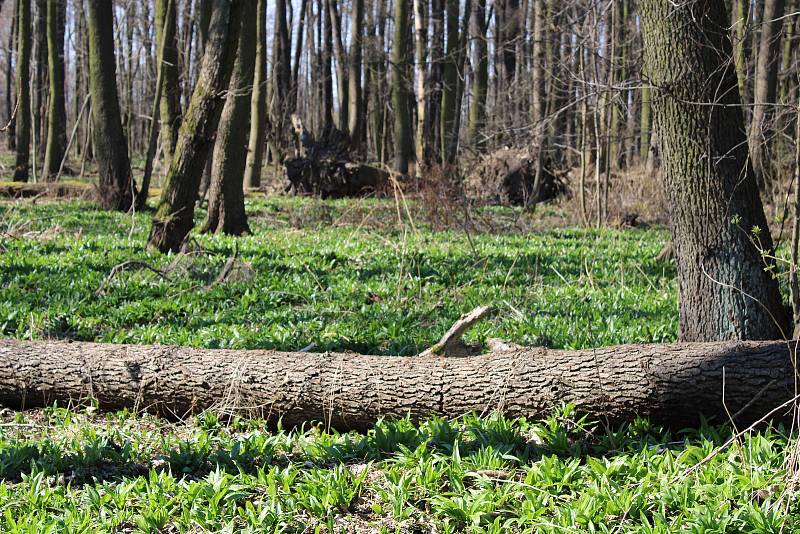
<point x="345" y="276"/>
<point x="358" y="276"/>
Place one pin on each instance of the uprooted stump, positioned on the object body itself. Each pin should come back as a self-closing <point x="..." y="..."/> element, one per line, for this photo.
<point x="507" y="177"/>
<point x="325" y="167"/>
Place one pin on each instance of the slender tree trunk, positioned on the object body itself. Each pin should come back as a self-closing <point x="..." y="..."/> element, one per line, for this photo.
<point x="718" y="223"/>
<point x="152" y="136"/>
<point x="741" y="48"/>
<point x="174" y="217"/>
<point x="449" y="136"/>
<point x="342" y="84"/>
<point x="402" y="118"/>
<point x="57" y="114"/>
<point x="434" y="111"/>
<point x="355" y="98"/>
<point x="40" y="85"/>
<point x="298" y="54"/>
<point x="11" y="104"/>
<point x="170" y="103"/>
<point x="674" y="385"/>
<point x="23" y="117"/>
<point x="226" y="213"/>
<point x="258" y="102"/>
<point x="110" y="148"/>
<point x="421" y="74"/>
<point x="379" y="92"/>
<point x="480" y="79"/>
<point x="766" y="84"/>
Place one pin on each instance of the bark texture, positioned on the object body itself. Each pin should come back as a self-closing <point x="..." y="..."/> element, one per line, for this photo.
<point x="672" y="384"/>
<point x="110" y="145"/>
<point x="717" y="216"/>
<point x="402" y="115"/>
<point x="258" y="104"/>
<point x="170" y="101"/>
<point x="226" y="212"/>
<point x="22" y="132"/>
<point x="57" y="107"/>
<point x="174" y="217"/>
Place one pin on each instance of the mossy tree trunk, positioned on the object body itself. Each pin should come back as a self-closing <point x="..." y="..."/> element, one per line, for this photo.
<point x="110" y="147"/>
<point x="174" y="217"/>
<point x="57" y="112"/>
<point x="226" y="212"/>
<point x="718" y="221"/>
<point x="23" y="117"/>
<point x="170" y="102"/>
<point x="258" y="104"/>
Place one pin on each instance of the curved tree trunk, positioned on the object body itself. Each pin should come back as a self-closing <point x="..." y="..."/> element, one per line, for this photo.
<point x="174" y="217"/>
<point x="22" y="132"/>
<point x="671" y="384"/>
<point x="110" y="147"/>
<point x="226" y="212"/>
<point x="719" y="226"/>
<point x="57" y="108"/>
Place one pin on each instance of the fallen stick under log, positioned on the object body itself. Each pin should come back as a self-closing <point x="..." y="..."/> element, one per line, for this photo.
<point x="673" y="384"/>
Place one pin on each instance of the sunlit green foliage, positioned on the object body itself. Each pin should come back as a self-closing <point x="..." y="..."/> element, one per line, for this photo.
<point x="345" y="276"/>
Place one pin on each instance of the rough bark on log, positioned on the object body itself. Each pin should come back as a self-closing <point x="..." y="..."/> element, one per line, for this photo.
<point x="673" y="384"/>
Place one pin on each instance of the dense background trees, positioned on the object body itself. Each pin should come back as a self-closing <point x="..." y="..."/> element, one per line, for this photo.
<point x="417" y="85"/>
<point x="435" y="81"/>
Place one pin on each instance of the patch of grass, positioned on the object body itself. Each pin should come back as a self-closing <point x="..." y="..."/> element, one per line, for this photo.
<point x="72" y="471"/>
<point x="372" y="276"/>
<point x="344" y="275"/>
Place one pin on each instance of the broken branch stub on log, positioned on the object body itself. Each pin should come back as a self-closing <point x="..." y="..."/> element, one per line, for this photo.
<point x="673" y="384"/>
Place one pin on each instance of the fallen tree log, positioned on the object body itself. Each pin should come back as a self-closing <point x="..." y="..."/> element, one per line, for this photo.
<point x="673" y="384"/>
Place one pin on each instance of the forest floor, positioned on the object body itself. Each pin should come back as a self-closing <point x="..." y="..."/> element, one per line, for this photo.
<point x="369" y="276"/>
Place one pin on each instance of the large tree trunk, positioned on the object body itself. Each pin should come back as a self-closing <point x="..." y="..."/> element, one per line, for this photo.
<point x="174" y="217"/>
<point x="671" y="384"/>
<point x="719" y="226"/>
<point x="57" y="108"/>
<point x="110" y="146"/>
<point x="22" y="132"/>
<point x="226" y="213"/>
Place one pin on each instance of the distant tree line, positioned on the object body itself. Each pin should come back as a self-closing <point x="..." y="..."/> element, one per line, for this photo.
<point x="209" y="87"/>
